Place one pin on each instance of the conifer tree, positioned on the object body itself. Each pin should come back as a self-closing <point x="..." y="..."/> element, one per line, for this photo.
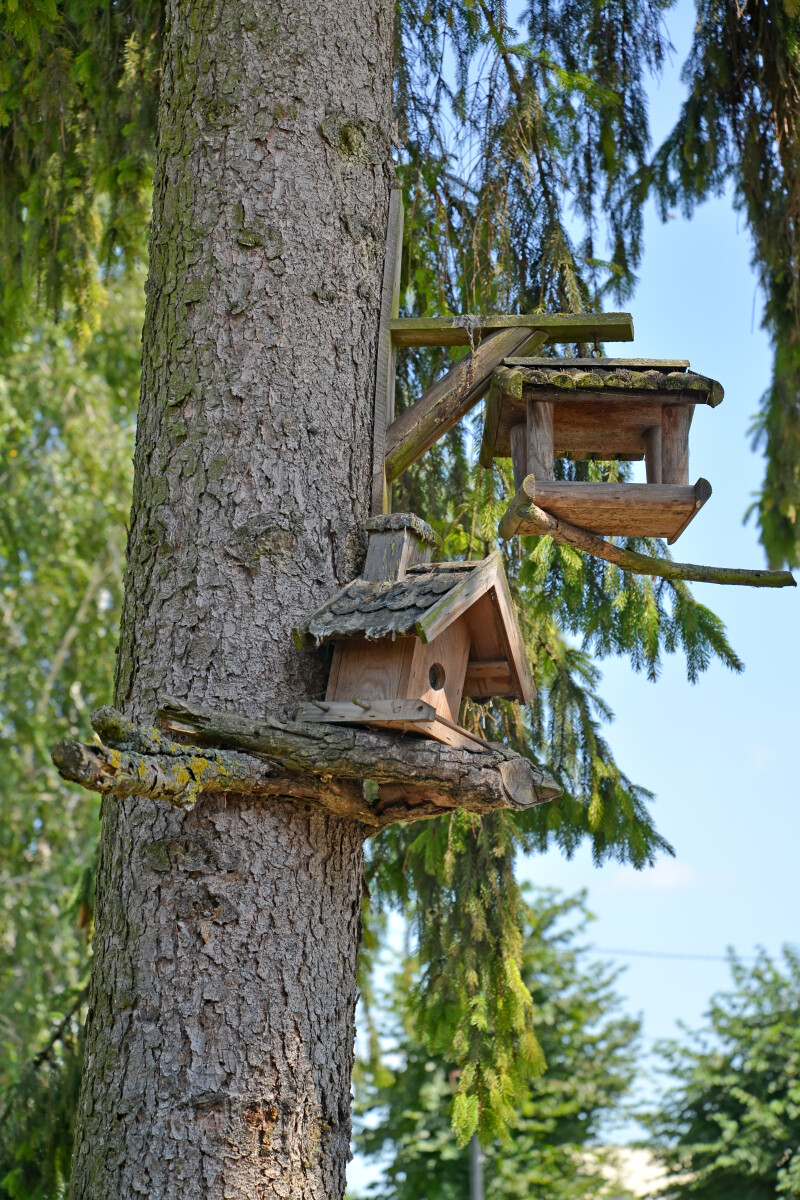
<point x="405" y="1092"/>
<point x="227" y="344"/>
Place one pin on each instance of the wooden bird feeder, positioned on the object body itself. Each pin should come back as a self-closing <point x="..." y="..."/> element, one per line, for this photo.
<point x="542" y="408"/>
<point x="412" y="638"/>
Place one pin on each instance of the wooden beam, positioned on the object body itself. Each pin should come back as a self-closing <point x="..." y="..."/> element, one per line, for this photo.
<point x="387" y="353"/>
<point x="444" y="404"/>
<point x="542" y="523"/>
<point x="560" y="327"/>
<point x="618" y="509"/>
<point x="590" y="364"/>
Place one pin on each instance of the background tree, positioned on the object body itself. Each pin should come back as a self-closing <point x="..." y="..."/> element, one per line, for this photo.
<point x="729" y="1125"/>
<point x="739" y="126"/>
<point x="549" y="1153"/>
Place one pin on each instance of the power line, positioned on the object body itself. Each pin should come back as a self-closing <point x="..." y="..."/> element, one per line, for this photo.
<point x="666" y="954"/>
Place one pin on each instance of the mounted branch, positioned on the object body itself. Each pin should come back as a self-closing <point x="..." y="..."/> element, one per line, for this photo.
<point x="364" y="774"/>
<point x="523" y="516"/>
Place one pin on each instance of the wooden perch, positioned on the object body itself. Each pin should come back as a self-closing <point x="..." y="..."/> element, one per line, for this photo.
<point x="364" y="774"/>
<point x="540" y="522"/>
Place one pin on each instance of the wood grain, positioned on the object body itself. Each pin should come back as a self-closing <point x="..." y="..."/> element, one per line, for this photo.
<point x="624" y="509"/>
<point x="447" y="401"/>
<point x="560" y="327"/>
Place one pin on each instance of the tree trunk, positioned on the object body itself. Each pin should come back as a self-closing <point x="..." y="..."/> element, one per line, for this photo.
<point x="220" y="1035"/>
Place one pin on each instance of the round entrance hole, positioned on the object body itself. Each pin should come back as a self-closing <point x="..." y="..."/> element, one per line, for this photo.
<point x="436" y="677"/>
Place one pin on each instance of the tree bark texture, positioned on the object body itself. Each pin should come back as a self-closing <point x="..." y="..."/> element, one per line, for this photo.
<point x="220" y="1033"/>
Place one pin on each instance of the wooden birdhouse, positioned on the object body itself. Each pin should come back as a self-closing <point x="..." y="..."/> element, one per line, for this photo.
<point x="412" y="638"/>
<point x="542" y="408"/>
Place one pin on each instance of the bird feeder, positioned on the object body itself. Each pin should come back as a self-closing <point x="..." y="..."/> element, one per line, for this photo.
<point x="539" y="409"/>
<point x="412" y="637"/>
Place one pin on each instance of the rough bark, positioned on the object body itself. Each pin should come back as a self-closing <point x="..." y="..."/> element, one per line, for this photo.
<point x="220" y="1034"/>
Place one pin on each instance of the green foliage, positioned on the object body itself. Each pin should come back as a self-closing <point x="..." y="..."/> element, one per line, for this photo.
<point x="741" y="124"/>
<point x="37" y="1120"/>
<point x="66" y="437"/>
<point x="78" y="94"/>
<point x="405" y="1109"/>
<point x="730" y="1125"/>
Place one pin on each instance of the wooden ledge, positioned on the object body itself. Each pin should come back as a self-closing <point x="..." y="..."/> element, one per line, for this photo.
<point x="366" y="775"/>
<point x="609" y="509"/>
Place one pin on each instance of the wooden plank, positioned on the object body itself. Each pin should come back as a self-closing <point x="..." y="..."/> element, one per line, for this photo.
<point x="444" y="404"/>
<point x="387" y="353"/>
<point x="489" y="677"/>
<point x="560" y="327"/>
<point x="447" y="657"/>
<point x="369" y="669"/>
<point x="413" y="716"/>
<point x="335" y="711"/>
<point x="610" y="509"/>
<point x="581" y="426"/>
<point x="589" y="364"/>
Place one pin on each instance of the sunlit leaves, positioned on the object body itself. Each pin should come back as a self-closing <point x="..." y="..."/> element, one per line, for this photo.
<point x="729" y="1125"/>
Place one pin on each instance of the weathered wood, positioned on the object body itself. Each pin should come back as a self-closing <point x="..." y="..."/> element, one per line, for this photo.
<point x="488" y="677"/>
<point x="444" y="404"/>
<point x="397" y="543"/>
<point x="582" y="427"/>
<point x="621" y="509"/>
<point x="632" y="364"/>
<point x="675" y="423"/>
<point x="540" y="439"/>
<point x="560" y="327"/>
<point x="372" y="776"/>
<point x="523" y="512"/>
<point x="518" y="439"/>
<point x="368" y="712"/>
<point x="652" y="454"/>
<point x="387" y="351"/>
<point x="407" y="715"/>
<point x="464" y="780"/>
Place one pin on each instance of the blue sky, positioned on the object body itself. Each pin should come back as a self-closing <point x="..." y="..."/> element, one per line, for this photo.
<point x="721" y="754"/>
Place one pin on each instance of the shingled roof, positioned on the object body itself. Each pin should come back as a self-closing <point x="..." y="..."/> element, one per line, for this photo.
<point x="396" y="608"/>
<point x="424" y="603"/>
<point x="614" y="378"/>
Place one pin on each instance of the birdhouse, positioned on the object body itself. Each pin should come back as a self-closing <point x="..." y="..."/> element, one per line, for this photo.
<point x="542" y="408"/>
<point x="412" y="637"/>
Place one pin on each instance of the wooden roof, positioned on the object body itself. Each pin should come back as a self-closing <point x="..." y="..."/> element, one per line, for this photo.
<point x="424" y="603"/>
<point x="600" y="407"/>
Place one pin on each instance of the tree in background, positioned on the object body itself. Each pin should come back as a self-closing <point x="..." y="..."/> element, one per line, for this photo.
<point x="729" y="1125"/>
<point x="740" y="126"/>
<point x="549" y="1152"/>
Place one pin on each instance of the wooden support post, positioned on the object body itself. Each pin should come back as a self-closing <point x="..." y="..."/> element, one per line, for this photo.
<point x="653" y="454"/>
<point x="519" y="453"/>
<point x="444" y="404"/>
<point x="540" y="439"/>
<point x="387" y="352"/>
<point x="675" y="422"/>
